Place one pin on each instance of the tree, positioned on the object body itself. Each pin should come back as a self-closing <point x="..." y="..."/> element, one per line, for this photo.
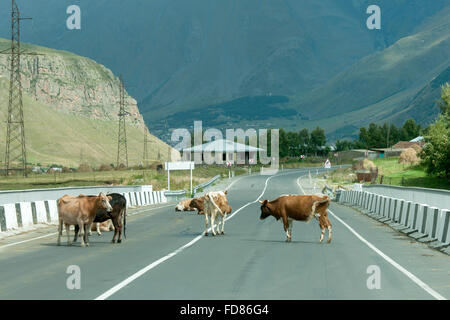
<point x="318" y="138"/>
<point x="436" y="153"/>
<point x="410" y="130"/>
<point x="293" y="143"/>
<point x="343" y="145"/>
<point x="304" y="141"/>
<point x="283" y="143"/>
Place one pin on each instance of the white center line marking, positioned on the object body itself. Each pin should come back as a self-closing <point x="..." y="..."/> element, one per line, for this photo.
<point x="415" y="279"/>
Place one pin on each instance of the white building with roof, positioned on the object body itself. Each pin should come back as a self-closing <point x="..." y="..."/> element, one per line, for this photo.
<point x="234" y="152"/>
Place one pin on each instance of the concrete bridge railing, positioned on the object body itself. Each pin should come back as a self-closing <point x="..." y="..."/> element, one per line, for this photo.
<point x="22" y="209"/>
<point x="424" y="222"/>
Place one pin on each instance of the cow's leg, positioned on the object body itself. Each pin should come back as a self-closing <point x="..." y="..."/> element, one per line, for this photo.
<point x="116" y="230"/>
<point x="224" y="217"/>
<point x="286" y="229"/>
<point x="87" y="227"/>
<point x="119" y="227"/>
<point x="68" y="234"/>
<point x="98" y="228"/>
<point x="206" y="225"/>
<point x="75" y="237"/>
<point x="329" y="229"/>
<point x="213" y="218"/>
<point x="60" y="230"/>
<point x="322" y="232"/>
<point x="290" y="228"/>
<point x="82" y="234"/>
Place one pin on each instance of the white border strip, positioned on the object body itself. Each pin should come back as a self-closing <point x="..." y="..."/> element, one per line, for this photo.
<point x="416" y="280"/>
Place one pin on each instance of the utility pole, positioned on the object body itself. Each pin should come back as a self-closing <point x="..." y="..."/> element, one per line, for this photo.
<point x="15" y="155"/>
<point x="122" y="151"/>
<point x="145" y="157"/>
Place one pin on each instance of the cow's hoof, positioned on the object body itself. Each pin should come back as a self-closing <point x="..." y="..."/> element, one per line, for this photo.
<point x="329" y="240"/>
<point x="288" y="240"/>
<point x="213" y="234"/>
<point x="113" y="241"/>
<point x="119" y="241"/>
<point x="222" y="233"/>
<point x="83" y="245"/>
<point x="206" y="234"/>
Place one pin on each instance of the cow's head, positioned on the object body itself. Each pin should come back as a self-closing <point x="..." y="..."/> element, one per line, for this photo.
<point x="104" y="200"/>
<point x="265" y="209"/>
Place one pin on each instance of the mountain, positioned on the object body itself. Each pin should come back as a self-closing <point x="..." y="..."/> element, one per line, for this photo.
<point x="383" y="85"/>
<point x="205" y="57"/>
<point x="71" y="110"/>
<point x="425" y="104"/>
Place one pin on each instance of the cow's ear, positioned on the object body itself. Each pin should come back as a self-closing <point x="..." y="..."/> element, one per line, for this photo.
<point x="109" y="198"/>
<point x="225" y="192"/>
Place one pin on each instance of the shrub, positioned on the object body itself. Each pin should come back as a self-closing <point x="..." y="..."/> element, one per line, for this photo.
<point x="105" y="167"/>
<point x="84" y="167"/>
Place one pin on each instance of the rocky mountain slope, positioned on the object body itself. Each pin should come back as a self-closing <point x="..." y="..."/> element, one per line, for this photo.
<point x="71" y="111"/>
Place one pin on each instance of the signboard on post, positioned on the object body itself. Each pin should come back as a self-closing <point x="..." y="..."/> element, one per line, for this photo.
<point x="180" y="165"/>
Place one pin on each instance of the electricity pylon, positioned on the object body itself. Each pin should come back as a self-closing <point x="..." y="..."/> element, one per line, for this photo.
<point x="15" y="155"/>
<point x="122" y="151"/>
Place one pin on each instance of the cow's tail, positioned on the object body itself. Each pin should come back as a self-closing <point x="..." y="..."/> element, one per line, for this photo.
<point x="215" y="205"/>
<point x="124" y="222"/>
<point x="314" y="206"/>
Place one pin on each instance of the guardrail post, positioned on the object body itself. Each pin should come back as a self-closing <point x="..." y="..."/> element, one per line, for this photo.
<point x="443" y="231"/>
<point x="431" y="223"/>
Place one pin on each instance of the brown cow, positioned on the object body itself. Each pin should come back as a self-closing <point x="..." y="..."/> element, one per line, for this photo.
<point x="80" y="211"/>
<point x="300" y="208"/>
<point x="199" y="204"/>
<point x="216" y="202"/>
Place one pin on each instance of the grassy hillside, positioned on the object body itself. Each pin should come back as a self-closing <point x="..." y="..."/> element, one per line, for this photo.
<point x="54" y="137"/>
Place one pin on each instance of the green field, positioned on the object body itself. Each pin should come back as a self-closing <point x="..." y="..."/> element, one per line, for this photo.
<point x="398" y="174"/>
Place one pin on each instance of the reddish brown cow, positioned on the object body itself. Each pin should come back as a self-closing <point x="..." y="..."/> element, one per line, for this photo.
<point x="300" y="208"/>
<point x="80" y="211"/>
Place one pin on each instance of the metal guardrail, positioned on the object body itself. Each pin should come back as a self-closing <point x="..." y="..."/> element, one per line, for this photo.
<point x="205" y="184"/>
<point x="172" y="193"/>
<point x="177" y="193"/>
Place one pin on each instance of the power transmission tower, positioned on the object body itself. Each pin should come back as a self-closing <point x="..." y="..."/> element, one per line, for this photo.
<point x="122" y="151"/>
<point x="145" y="155"/>
<point x="15" y="155"/>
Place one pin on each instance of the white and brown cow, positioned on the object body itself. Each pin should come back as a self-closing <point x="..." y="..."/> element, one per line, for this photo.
<point x="216" y="203"/>
<point x="184" y="205"/>
<point x="300" y="208"/>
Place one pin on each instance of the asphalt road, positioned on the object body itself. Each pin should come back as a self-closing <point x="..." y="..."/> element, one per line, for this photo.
<point x="165" y="256"/>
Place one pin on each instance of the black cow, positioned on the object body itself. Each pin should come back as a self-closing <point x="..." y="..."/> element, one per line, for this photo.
<point x="119" y="205"/>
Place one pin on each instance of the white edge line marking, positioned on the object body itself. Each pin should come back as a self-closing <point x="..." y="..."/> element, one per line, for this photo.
<point x="28" y="240"/>
<point x="416" y="280"/>
<point x="51" y="234"/>
<point x="139" y="273"/>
